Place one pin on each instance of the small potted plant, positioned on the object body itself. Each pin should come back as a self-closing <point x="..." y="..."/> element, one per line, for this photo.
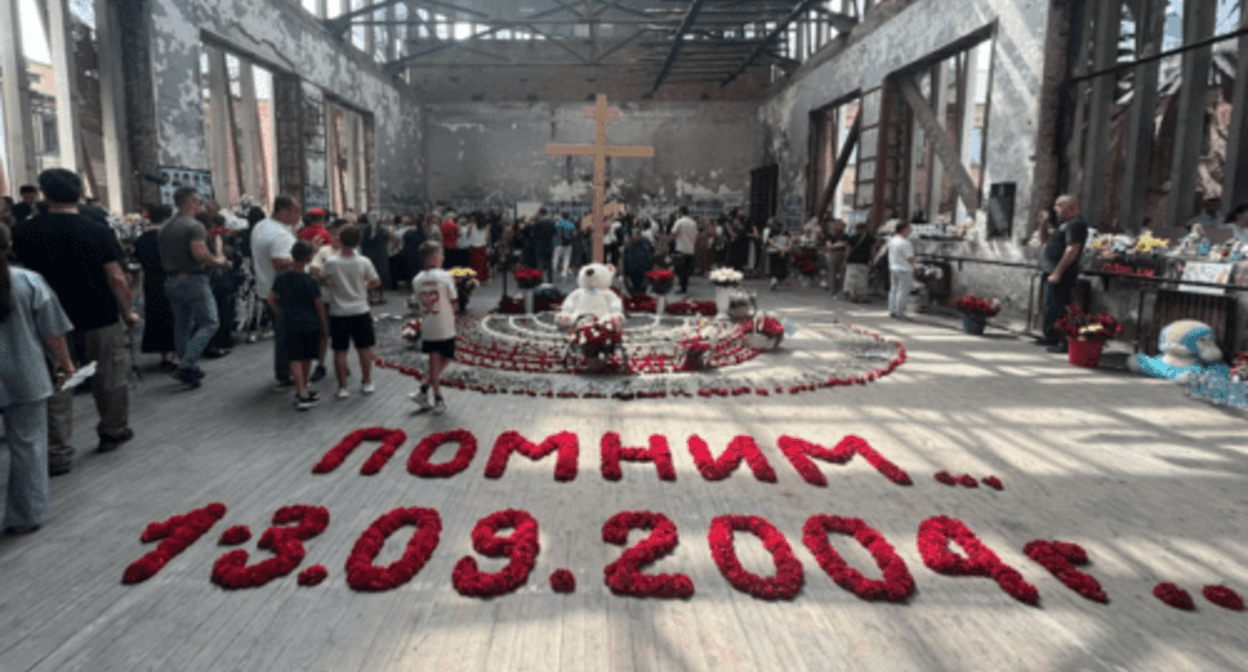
<point x="598" y="341"/>
<point x="528" y="279"/>
<point x="661" y="281"/>
<point x="1087" y="334"/>
<point x="724" y="279"/>
<point x="975" y="312"/>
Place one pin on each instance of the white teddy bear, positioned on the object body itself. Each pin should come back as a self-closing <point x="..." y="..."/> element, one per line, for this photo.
<point x="594" y="296"/>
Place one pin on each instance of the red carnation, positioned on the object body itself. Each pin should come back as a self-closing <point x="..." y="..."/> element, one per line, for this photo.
<point x="1174" y="596"/>
<point x="313" y="575"/>
<point x="624" y="576"/>
<point x="363" y="575"/>
<point x="231" y="571"/>
<point x="562" y="581"/>
<point x="945" y="477"/>
<point x="934" y="536"/>
<point x="177" y="534"/>
<point x="418" y="463"/>
<point x="897" y="583"/>
<point x="521" y="547"/>
<point x="993" y="482"/>
<point x="1060" y="559"/>
<point x="1223" y="597"/>
<point x="234" y="536"/>
<point x="789" y="575"/>
<point x="968" y="481"/>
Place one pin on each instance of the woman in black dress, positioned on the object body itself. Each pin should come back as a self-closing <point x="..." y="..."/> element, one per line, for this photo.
<point x="375" y="245"/>
<point x="157" y="314"/>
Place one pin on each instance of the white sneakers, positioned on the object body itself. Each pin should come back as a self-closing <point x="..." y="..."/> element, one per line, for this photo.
<point x="368" y="387"/>
<point x="421" y="399"/>
<point x="343" y="393"/>
<point x="439" y="406"/>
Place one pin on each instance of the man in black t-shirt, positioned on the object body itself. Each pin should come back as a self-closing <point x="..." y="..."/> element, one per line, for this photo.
<point x="26" y="207"/>
<point x="860" y="244"/>
<point x="544" y="242"/>
<point x="1060" y="261"/>
<point x="82" y="263"/>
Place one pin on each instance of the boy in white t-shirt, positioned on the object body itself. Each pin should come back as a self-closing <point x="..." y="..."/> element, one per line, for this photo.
<point x="348" y="278"/>
<point x="433" y="294"/>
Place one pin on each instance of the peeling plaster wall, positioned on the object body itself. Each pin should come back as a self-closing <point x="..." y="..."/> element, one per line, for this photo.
<point x="496" y="152"/>
<point x="914" y="33"/>
<point x="283" y="35"/>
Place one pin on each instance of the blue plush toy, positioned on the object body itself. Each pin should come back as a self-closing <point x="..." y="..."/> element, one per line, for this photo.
<point x="1188" y="348"/>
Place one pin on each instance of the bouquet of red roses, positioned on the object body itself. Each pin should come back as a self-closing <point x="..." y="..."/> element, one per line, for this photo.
<point x="974" y="305"/>
<point x="640" y="303"/>
<point x="807" y="262"/>
<point x="770" y="326"/>
<point x="693" y="353"/>
<point x="598" y="338"/>
<point x="691" y="307"/>
<point x="660" y="280"/>
<point x="528" y="278"/>
<point x="1081" y="326"/>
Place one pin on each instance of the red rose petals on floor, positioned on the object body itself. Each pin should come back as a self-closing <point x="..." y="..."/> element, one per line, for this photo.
<point x="1223" y="597"/>
<point x="1174" y="596"/>
<point x="391" y="440"/>
<point x="934" y="536"/>
<point x="1060" y="559"/>
<point x="968" y="481"/>
<point x="658" y="453"/>
<point x="313" y="575"/>
<point x="418" y="463"/>
<point x="799" y="452"/>
<point x="239" y="534"/>
<point x="897" y="584"/>
<point x="363" y="575"/>
<point x="521" y="547"/>
<point x="566" y="443"/>
<point x="789" y="575"/>
<point x="624" y="576"/>
<point x="945" y="477"/>
<point x="741" y="447"/>
<point x="562" y="581"/>
<point x="231" y="570"/>
<point x="177" y="533"/>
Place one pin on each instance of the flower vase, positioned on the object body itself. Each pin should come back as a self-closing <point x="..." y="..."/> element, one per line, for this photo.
<point x="974" y="323"/>
<point x="1085" y="353"/>
<point x="660" y="304"/>
<point x="528" y="302"/>
<point x="723" y="298"/>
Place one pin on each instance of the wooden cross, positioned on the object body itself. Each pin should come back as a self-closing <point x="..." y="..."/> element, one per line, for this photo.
<point x="600" y="150"/>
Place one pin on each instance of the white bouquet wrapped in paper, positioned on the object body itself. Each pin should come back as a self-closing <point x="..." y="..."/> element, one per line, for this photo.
<point x="726" y="277"/>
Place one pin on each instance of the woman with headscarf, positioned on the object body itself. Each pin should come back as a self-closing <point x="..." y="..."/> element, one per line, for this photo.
<point x="157" y="313"/>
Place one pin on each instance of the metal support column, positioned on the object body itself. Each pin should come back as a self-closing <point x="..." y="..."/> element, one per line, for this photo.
<point x="1150" y="22"/>
<point x="1235" y="178"/>
<point x="1104" y="51"/>
<point x="1198" y="24"/>
<point x="19" y="137"/>
<point x="112" y="106"/>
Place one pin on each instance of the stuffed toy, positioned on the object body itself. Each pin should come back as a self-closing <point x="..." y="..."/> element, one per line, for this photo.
<point x="594" y="296"/>
<point x="1188" y="347"/>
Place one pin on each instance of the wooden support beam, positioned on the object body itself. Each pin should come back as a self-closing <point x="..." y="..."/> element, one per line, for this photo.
<point x="250" y="155"/>
<point x="842" y="162"/>
<point x="1150" y="25"/>
<point x="1235" y="177"/>
<point x="112" y="106"/>
<point x="19" y="137"/>
<point x="968" y="78"/>
<point x="1198" y="24"/>
<point x="1100" y="106"/>
<point x="936" y="173"/>
<point x="946" y="151"/>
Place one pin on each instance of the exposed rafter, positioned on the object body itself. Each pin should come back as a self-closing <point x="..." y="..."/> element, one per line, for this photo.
<point x="801" y="8"/>
<point x="691" y="17"/>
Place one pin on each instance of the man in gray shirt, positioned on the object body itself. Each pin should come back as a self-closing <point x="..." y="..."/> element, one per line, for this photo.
<point x="184" y="254"/>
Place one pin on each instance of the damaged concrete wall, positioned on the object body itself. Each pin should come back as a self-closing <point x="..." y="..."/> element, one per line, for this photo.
<point x="281" y="35"/>
<point x="496" y="152"/>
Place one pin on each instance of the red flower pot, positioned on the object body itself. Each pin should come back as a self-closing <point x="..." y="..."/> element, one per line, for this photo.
<point x="1086" y="353"/>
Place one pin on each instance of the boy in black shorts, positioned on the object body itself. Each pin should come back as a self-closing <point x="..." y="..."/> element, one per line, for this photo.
<point x="434" y="296"/>
<point x="296" y="296"/>
<point x="349" y="277"/>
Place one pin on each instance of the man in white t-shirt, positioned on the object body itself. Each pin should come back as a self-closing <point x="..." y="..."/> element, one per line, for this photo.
<point x="901" y="267"/>
<point x="349" y="277"/>
<point x="434" y="296"/>
<point x="685" y="235"/>
<point x="271" y="241"/>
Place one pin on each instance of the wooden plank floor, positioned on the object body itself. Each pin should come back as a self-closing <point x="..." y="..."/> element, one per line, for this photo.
<point x="1151" y="484"/>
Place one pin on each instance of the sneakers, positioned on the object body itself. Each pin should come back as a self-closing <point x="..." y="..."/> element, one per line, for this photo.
<point x="305" y="402"/>
<point x="192" y="378"/>
<point x="368" y="387"/>
<point x="439" y="406"/>
<point x="110" y="443"/>
<point x="343" y="393"/>
<point x="774" y="283"/>
<point x="422" y="400"/>
<point x="318" y="373"/>
<point x="823" y="284"/>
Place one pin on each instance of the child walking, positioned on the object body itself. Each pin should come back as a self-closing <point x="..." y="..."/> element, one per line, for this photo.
<point x="296" y="296"/>
<point x="349" y="278"/>
<point x="433" y="294"/>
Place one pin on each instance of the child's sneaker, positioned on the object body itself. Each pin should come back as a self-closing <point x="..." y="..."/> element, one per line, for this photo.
<point x="439" y="406"/>
<point x="342" y="393"/>
<point x="422" y="400"/>
<point x="318" y="373"/>
<point x="305" y="402"/>
<point x="368" y="387"/>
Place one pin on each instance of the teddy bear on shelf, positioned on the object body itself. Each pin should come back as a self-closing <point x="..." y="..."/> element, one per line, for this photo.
<point x="1187" y="347"/>
<point x="594" y="296"/>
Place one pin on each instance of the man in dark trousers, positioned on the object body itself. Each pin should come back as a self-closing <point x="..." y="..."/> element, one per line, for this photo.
<point x="185" y="257"/>
<point x="1060" y="260"/>
<point x="82" y="262"/>
<point x="544" y="242"/>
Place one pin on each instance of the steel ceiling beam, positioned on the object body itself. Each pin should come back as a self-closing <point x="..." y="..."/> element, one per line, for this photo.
<point x="801" y="8"/>
<point x="691" y="17"/>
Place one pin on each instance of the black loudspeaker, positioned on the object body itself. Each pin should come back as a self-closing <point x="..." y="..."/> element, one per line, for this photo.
<point x="1001" y="209"/>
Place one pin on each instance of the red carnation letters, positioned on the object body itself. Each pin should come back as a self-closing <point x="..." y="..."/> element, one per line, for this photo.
<point x="799" y="452"/>
<point x="789" y="575"/>
<point x="418" y="463"/>
<point x="897" y="584"/>
<point x="521" y="548"/>
<point x="510" y="442"/>
<point x="363" y="575"/>
<point x="624" y="576"/>
<point x="177" y="533"/>
<point x="231" y="570"/>
<point x="390" y="440"/>
<point x="717" y="469"/>
<point x="658" y="453"/>
<point x="936" y="532"/>
<point x="1060" y="558"/>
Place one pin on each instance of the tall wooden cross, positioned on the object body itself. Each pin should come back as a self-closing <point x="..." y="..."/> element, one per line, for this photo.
<point x="600" y="150"/>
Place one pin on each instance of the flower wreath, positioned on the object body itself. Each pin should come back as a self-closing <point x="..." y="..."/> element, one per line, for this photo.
<point x="363" y="575"/>
<point x="177" y="533"/>
<point x="418" y="463"/>
<point x="897" y="584"/>
<point x="789" y="575"/>
<point x="624" y="576"/>
<point x="231" y="571"/>
<point x="390" y="439"/>
<point x="934" y="536"/>
<point x="521" y="547"/>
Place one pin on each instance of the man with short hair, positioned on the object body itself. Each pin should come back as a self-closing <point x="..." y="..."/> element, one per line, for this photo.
<point x="544" y="243"/>
<point x="82" y="263"/>
<point x="184" y="255"/>
<point x="25" y="207"/>
<point x="685" y="235"/>
<point x="1208" y="216"/>
<point x="271" y="242"/>
<point x="901" y="267"/>
<point x="1060" y="259"/>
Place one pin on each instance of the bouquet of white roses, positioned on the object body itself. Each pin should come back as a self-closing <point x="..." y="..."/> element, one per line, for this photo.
<point x="726" y="277"/>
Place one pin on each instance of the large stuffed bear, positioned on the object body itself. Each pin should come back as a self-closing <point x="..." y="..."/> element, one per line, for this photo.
<point x="1187" y="347"/>
<point x="594" y="297"/>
